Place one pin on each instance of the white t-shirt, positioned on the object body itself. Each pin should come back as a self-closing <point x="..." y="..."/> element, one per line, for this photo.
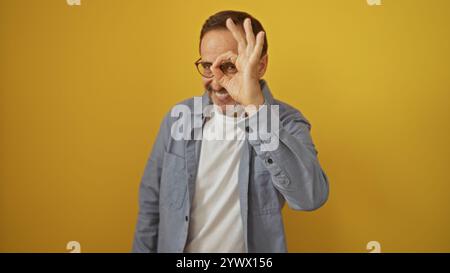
<point x="216" y="223"/>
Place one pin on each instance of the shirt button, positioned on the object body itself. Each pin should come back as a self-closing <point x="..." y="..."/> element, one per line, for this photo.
<point x="187" y="218"/>
<point x="269" y="160"/>
<point x="284" y="182"/>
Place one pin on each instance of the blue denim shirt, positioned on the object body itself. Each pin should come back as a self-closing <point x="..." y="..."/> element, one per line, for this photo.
<point x="267" y="180"/>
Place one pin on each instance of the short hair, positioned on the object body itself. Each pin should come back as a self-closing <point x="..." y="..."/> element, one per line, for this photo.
<point x="218" y="21"/>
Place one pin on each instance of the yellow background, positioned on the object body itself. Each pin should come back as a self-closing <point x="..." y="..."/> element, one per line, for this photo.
<point x="84" y="88"/>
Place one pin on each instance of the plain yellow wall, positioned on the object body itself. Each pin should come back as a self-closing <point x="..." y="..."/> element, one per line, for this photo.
<point x="83" y="90"/>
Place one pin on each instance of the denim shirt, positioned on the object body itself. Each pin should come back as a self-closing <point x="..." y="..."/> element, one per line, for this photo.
<point x="267" y="179"/>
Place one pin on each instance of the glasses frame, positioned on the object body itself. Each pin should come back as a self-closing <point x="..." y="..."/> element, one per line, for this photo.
<point x="222" y="67"/>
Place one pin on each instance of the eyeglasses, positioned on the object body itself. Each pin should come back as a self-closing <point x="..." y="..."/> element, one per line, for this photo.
<point x="204" y="68"/>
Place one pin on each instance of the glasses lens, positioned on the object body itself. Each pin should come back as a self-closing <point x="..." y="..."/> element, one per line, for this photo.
<point x="204" y="69"/>
<point x="228" y="68"/>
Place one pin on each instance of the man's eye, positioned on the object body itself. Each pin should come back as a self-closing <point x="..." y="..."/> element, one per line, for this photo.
<point x="229" y="68"/>
<point x="206" y="66"/>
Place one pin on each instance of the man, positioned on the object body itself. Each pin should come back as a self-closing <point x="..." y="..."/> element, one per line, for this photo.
<point x="206" y="194"/>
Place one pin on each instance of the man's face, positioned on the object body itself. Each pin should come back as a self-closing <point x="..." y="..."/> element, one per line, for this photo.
<point x="213" y="44"/>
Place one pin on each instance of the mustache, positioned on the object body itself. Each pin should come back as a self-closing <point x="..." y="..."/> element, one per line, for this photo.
<point x="210" y="89"/>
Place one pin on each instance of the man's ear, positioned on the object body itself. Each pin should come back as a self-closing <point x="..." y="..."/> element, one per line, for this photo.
<point x="262" y="66"/>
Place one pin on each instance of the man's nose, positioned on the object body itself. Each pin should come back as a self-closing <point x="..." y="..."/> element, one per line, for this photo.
<point x="215" y="85"/>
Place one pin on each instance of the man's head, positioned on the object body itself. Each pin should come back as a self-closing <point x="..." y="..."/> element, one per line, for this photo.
<point x="216" y="39"/>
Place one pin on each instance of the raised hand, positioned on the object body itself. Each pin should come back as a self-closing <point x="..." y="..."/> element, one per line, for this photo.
<point x="243" y="86"/>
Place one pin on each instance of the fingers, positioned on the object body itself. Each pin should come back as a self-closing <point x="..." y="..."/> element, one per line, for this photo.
<point x="227" y="56"/>
<point x="257" y="51"/>
<point x="249" y="34"/>
<point x="248" y="44"/>
<point x="252" y="44"/>
<point x="215" y="67"/>
<point x="237" y="34"/>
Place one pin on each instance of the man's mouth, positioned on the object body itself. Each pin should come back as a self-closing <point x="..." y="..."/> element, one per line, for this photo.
<point x="222" y="94"/>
